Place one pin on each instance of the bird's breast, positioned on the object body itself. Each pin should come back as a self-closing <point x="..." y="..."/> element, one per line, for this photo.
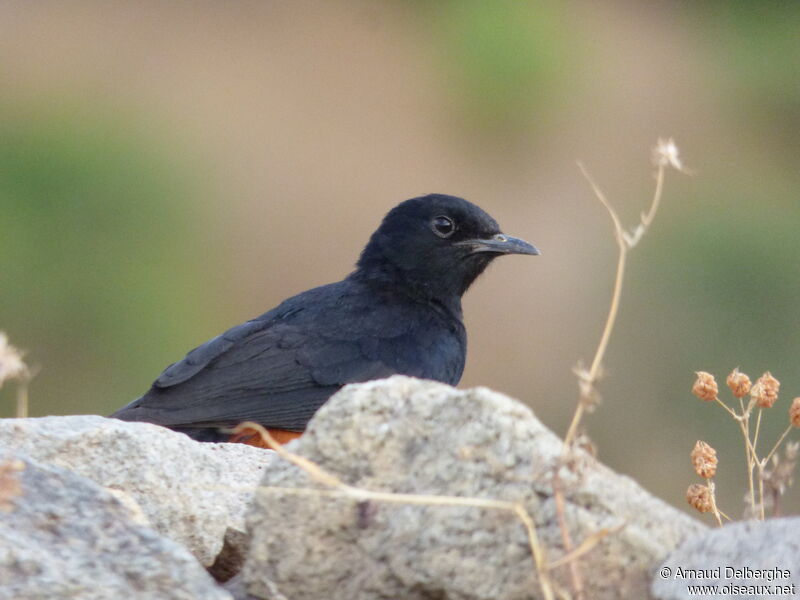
<point x="436" y="349"/>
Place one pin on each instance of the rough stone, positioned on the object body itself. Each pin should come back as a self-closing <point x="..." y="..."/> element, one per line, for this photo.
<point x="761" y="559"/>
<point x="63" y="536"/>
<point x="189" y="491"/>
<point x="410" y="436"/>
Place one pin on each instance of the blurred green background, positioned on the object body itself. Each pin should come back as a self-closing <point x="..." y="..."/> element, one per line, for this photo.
<point x="168" y="170"/>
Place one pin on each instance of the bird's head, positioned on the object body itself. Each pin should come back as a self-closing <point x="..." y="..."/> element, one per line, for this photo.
<point x="436" y="245"/>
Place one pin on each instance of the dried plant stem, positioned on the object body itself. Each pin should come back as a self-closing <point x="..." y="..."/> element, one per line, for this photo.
<point x="748" y="450"/>
<point x="758" y="429"/>
<point x="755" y="465"/>
<point x="648" y="218"/>
<point x="566" y="538"/>
<point x="759" y="465"/>
<point x="717" y="514"/>
<point x="776" y="446"/>
<point x="341" y="489"/>
<point x="588" y="378"/>
<point x="731" y="412"/>
<point x="716" y="510"/>
<point x="22" y="398"/>
<point x="586" y="545"/>
<point x="762" y="395"/>
<point x="625" y="242"/>
<point x="594" y="370"/>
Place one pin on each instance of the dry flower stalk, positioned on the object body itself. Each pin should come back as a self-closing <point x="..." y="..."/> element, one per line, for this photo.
<point x="763" y="394"/>
<point x="665" y="155"/>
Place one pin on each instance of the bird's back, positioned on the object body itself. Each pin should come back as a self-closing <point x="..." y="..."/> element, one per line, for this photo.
<point x="279" y="368"/>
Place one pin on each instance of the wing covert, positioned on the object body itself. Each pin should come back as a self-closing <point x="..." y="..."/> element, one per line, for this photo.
<point x="200" y="357"/>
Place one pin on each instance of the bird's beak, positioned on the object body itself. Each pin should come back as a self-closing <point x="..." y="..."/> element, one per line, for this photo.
<point x="500" y="244"/>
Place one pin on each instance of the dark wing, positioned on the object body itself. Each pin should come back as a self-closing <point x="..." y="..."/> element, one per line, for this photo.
<point x="198" y="358"/>
<point x="279" y="369"/>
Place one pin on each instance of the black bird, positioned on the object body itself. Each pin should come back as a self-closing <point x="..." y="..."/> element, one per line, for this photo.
<point x="398" y="312"/>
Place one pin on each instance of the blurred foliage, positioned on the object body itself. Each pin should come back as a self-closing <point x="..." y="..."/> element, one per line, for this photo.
<point x="97" y="231"/>
<point x="503" y="62"/>
<point x="757" y="47"/>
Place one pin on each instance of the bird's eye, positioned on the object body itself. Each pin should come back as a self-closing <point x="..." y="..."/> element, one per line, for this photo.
<point x="443" y="226"/>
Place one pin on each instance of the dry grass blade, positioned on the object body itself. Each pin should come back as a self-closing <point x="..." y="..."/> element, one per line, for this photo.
<point x="343" y="490"/>
<point x="586" y="545"/>
<point x="566" y="538"/>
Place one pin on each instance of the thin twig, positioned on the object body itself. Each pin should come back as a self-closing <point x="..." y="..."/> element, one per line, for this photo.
<point x="648" y="218"/>
<point x="758" y="429"/>
<point x="22" y="397"/>
<point x="341" y="489"/>
<point x="717" y="512"/>
<point x="625" y="242"/>
<point x="587" y="379"/>
<point x="748" y="449"/>
<point x="759" y="466"/>
<point x="777" y="444"/>
<point x="586" y="545"/>
<point x="566" y="538"/>
<point x="614" y="308"/>
<point x="731" y="412"/>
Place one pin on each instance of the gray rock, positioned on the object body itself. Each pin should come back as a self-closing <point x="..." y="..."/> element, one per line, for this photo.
<point x="412" y="436"/>
<point x="750" y="559"/>
<point x="62" y="536"/>
<point x="190" y="492"/>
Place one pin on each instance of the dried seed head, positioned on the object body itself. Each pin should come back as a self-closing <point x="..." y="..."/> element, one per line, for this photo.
<point x="739" y="383"/>
<point x="705" y="386"/>
<point x="666" y="154"/>
<point x="11" y="364"/>
<point x="699" y="496"/>
<point x="704" y="460"/>
<point x="794" y="413"/>
<point x="765" y="390"/>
